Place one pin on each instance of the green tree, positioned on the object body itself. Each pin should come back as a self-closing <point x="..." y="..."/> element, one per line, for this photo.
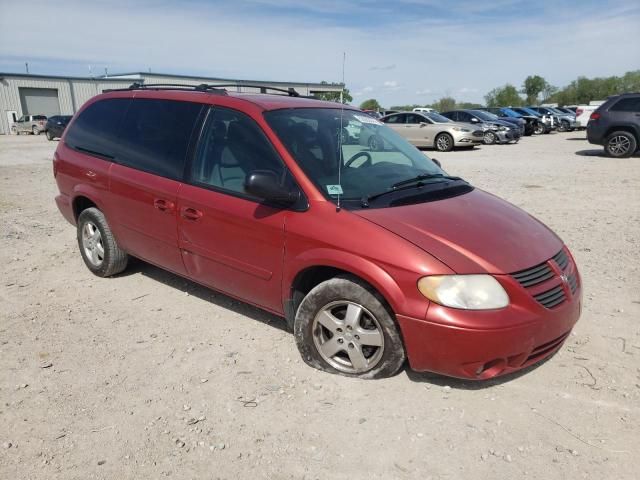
<point x="370" y="104"/>
<point x="533" y="86"/>
<point x="334" y="96"/>
<point x="503" y="97"/>
<point x="467" y="105"/>
<point x="445" y="104"/>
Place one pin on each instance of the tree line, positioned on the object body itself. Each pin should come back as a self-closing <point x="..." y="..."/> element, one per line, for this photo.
<point x="533" y="91"/>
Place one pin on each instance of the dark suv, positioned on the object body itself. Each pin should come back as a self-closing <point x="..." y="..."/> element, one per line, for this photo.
<point x="616" y="125"/>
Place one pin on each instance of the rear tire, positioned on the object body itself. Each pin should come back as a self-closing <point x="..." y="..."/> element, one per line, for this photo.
<point x="444" y="142"/>
<point x="620" y="144"/>
<point x="343" y="326"/>
<point x="98" y="247"/>
<point x="48" y="135"/>
<point x="35" y="131"/>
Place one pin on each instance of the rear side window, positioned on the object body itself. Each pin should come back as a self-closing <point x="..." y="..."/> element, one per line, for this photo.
<point x="155" y="134"/>
<point x="39" y="117"/>
<point x="627" y="105"/>
<point x="96" y="128"/>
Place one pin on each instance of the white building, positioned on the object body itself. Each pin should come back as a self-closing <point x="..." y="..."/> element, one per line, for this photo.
<point x="27" y="94"/>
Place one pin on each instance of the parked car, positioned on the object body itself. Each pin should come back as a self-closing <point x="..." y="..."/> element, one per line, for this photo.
<point x="30" y="124"/>
<point x="616" y="125"/>
<point x="371" y="256"/>
<point x="526" y="125"/>
<point x="433" y="131"/>
<point x="55" y="126"/>
<point x="545" y="122"/>
<point x="495" y="129"/>
<point x="563" y="121"/>
<point x="583" y="112"/>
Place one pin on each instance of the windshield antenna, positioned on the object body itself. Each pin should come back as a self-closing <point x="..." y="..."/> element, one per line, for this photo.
<point x="340" y="155"/>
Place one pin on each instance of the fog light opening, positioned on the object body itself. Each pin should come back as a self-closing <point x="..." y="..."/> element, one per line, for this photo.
<point x="491" y="368"/>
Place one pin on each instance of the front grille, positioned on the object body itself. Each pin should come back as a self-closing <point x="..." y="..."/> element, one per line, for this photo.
<point x="561" y="259"/>
<point x="552" y="297"/>
<point x="534" y="276"/>
<point x="546" y="272"/>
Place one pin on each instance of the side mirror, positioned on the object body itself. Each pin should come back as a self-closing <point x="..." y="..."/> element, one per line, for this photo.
<point x="437" y="162"/>
<point x="264" y="184"/>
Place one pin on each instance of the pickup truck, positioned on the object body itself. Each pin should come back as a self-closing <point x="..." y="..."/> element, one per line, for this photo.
<point x="30" y="124"/>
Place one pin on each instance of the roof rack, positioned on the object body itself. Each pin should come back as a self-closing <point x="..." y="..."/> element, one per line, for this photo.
<point x="205" y="87"/>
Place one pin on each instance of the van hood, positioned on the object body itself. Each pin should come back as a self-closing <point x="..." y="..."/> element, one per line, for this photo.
<point x="472" y="233"/>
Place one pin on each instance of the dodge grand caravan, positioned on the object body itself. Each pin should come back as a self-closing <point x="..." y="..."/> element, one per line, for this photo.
<point x="373" y="257"/>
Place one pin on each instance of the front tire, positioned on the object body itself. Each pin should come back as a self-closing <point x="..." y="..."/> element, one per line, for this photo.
<point x="444" y="142"/>
<point x="98" y="247"/>
<point x="620" y="144"/>
<point x="35" y="131"/>
<point x="539" y="128"/>
<point x="343" y="326"/>
<point x="489" y="138"/>
<point x="48" y="135"/>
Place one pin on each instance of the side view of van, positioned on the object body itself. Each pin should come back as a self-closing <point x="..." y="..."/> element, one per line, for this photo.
<point x="374" y="257"/>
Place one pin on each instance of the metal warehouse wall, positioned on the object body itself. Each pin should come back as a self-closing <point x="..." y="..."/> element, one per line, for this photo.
<point x="72" y="93"/>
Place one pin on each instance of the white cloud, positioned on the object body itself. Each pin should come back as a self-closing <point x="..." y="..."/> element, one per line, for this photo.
<point x="424" y="91"/>
<point x="390" y="84"/>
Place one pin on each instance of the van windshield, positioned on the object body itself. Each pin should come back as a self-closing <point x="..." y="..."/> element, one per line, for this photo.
<point x="349" y="155"/>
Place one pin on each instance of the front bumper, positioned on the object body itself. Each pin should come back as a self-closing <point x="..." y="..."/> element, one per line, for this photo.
<point x="467" y="139"/>
<point x="450" y="342"/>
<point x="511" y="135"/>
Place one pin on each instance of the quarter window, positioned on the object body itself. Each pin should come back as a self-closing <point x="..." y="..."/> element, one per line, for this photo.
<point x="627" y="105"/>
<point x="155" y="135"/>
<point x="232" y="146"/>
<point x="96" y="128"/>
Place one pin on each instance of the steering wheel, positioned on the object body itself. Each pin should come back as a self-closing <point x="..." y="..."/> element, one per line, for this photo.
<point x="367" y="162"/>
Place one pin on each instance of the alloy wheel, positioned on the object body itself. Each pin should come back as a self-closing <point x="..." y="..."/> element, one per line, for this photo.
<point x="619" y="145"/>
<point x="92" y="244"/>
<point x="348" y="337"/>
<point x="443" y="143"/>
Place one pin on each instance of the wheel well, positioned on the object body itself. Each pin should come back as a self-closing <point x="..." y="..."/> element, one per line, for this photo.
<point x="80" y="204"/>
<point x="624" y="128"/>
<point x="309" y="278"/>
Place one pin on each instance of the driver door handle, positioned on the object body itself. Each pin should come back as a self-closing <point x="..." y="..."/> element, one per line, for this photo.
<point x="192" y="214"/>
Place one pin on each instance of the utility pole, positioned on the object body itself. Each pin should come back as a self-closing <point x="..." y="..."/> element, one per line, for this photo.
<point x="26" y="66"/>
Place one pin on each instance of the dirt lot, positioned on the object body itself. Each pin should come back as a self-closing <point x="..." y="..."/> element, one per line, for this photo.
<point x="148" y="375"/>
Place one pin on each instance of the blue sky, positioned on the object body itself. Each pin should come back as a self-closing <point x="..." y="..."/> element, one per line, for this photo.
<point x="400" y="51"/>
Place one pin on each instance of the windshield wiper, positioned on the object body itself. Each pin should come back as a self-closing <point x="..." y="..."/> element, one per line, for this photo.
<point x="423" y="176"/>
<point x="414" y="182"/>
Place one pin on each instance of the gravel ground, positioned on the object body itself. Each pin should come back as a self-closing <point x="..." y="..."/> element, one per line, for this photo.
<point x="149" y="375"/>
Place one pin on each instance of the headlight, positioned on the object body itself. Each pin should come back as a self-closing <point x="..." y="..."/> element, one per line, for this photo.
<point x="503" y="129"/>
<point x="469" y="292"/>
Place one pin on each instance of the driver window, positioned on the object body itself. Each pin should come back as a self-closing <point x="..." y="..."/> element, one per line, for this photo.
<point x="232" y="146"/>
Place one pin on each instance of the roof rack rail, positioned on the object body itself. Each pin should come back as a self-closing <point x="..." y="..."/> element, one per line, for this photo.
<point x="263" y="88"/>
<point x="205" y="87"/>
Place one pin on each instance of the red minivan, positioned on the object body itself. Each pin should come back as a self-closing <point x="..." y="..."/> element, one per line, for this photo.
<point x="372" y="255"/>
